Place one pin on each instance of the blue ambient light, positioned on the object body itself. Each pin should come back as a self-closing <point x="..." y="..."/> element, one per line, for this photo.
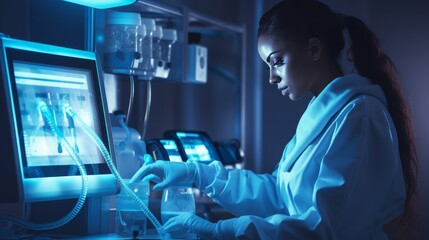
<point x="102" y="4"/>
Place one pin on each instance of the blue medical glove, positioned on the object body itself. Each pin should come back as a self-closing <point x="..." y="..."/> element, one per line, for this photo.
<point x="189" y="222"/>
<point x="166" y="173"/>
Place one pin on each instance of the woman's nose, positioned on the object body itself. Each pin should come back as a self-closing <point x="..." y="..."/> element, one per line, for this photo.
<point x="274" y="78"/>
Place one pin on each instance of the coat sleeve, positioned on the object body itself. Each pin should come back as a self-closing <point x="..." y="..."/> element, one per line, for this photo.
<point x="240" y="192"/>
<point x="358" y="189"/>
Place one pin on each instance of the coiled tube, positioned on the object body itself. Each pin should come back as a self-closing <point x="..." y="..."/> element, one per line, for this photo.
<point x="78" y="206"/>
<point x="113" y="169"/>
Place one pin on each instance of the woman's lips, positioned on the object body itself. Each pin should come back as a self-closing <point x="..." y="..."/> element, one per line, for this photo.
<point x="284" y="90"/>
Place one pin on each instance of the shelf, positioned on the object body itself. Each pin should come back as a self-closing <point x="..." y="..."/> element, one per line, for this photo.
<point x="153" y="7"/>
<point x="206" y="24"/>
<point x="194" y="21"/>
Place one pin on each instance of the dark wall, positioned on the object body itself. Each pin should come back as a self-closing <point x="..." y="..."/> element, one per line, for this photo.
<point x="403" y="31"/>
<point x="14" y="18"/>
<point x="46" y="21"/>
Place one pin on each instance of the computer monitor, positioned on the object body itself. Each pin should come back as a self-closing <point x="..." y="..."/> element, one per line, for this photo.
<point x="35" y="166"/>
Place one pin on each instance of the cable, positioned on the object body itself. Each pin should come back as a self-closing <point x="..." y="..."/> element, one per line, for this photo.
<point x="131" y="100"/>
<point x="113" y="169"/>
<point x="127" y="141"/>
<point x="147" y="112"/>
<point x="60" y="137"/>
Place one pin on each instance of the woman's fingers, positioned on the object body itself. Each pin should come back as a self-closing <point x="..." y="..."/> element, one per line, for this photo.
<point x="146" y="170"/>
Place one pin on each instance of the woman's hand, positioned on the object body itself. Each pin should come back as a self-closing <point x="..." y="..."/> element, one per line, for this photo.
<point x="166" y="173"/>
<point x="189" y="222"/>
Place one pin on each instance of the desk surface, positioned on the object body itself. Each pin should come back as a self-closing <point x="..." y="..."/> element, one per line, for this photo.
<point x="151" y="234"/>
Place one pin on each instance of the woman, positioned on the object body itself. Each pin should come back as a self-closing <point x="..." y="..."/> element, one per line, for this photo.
<point x="350" y="168"/>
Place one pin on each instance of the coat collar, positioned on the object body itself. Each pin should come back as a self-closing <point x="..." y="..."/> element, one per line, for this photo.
<point x="322" y="108"/>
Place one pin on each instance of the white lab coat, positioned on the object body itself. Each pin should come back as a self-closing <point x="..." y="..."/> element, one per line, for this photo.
<point x="340" y="176"/>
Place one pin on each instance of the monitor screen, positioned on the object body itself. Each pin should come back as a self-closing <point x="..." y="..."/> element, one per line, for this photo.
<point x="171" y="147"/>
<point x="194" y="145"/>
<point x="55" y="85"/>
<point x="57" y="76"/>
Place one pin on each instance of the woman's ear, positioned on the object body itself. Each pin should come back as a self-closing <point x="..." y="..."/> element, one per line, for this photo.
<point x="315" y="48"/>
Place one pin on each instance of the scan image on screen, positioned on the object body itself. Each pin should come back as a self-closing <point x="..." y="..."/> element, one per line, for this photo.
<point x="172" y="150"/>
<point x="55" y="86"/>
<point x="195" y="146"/>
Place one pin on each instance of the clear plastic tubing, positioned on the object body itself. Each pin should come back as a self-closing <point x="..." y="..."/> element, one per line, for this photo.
<point x="113" y="169"/>
<point x="124" y="126"/>
<point x="78" y="206"/>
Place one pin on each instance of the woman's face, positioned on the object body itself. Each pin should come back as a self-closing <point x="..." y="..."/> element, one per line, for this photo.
<point x="289" y="64"/>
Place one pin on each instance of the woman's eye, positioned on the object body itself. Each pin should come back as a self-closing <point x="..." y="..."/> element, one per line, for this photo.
<point x="278" y="62"/>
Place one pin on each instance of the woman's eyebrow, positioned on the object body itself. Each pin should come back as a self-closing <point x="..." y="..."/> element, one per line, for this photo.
<point x="269" y="56"/>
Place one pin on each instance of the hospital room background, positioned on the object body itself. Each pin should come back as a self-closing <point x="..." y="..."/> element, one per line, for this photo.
<point x="233" y="104"/>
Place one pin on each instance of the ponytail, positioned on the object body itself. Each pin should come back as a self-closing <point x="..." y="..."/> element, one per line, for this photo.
<point x="371" y="62"/>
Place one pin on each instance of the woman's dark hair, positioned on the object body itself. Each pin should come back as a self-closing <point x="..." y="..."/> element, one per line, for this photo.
<point x="301" y="20"/>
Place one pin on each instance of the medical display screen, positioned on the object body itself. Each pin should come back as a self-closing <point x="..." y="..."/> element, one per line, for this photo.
<point x="195" y="146"/>
<point x="40" y="83"/>
<point x="55" y="86"/>
<point x="57" y="81"/>
<point x="171" y="147"/>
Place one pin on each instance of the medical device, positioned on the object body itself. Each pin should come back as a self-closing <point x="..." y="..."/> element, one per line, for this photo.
<point x="35" y="166"/>
<point x="230" y="152"/>
<point x="123" y="42"/>
<point x="194" y="145"/>
<point x="164" y="149"/>
<point x="49" y="91"/>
